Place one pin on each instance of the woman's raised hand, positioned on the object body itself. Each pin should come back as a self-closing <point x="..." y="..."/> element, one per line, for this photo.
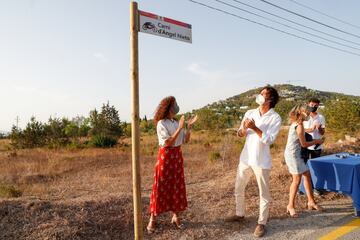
<point x="182" y="122"/>
<point x="192" y="120"/>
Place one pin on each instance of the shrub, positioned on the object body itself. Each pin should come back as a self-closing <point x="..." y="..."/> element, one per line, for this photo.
<point x="147" y="126"/>
<point x="102" y="141"/>
<point x="283" y="108"/>
<point x="55" y="132"/>
<point x="32" y="136"/>
<point x="208" y="120"/>
<point x="107" y="122"/>
<point x="127" y="129"/>
<point x="103" y="127"/>
<point x="335" y="111"/>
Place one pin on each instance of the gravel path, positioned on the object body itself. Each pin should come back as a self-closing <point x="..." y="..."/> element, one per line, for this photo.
<point x="310" y="224"/>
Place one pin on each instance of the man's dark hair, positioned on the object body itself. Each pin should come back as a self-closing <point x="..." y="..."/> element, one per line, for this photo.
<point x="273" y="95"/>
<point x="315" y="100"/>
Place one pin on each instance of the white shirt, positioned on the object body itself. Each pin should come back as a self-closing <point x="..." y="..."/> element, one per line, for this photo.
<point x="256" y="151"/>
<point x="165" y="128"/>
<point x="317" y="119"/>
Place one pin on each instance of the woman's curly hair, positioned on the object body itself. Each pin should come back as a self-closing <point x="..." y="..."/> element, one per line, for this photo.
<point x="163" y="109"/>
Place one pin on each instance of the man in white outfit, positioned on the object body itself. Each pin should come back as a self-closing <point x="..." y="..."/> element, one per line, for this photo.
<point x="260" y="126"/>
<point x="315" y="126"/>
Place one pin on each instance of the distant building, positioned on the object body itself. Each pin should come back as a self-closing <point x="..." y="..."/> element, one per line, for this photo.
<point x="285" y="93"/>
<point x="244" y="107"/>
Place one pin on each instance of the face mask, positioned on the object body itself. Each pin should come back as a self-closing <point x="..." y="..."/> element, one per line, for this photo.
<point x="260" y="99"/>
<point x="312" y="109"/>
<point x="176" y="108"/>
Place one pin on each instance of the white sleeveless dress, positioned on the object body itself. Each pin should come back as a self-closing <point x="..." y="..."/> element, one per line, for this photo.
<point x="292" y="153"/>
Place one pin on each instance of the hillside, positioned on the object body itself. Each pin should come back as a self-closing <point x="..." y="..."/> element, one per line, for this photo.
<point x="233" y="108"/>
<point x="287" y="92"/>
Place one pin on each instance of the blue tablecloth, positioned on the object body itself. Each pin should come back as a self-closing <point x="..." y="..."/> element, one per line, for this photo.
<point x="338" y="172"/>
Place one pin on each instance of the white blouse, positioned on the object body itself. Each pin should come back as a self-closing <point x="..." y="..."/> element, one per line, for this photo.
<point x="165" y="128"/>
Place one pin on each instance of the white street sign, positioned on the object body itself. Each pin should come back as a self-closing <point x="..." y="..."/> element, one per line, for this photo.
<point x="164" y="27"/>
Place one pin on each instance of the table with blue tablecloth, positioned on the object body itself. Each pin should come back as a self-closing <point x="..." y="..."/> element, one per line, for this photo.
<point x="338" y="172"/>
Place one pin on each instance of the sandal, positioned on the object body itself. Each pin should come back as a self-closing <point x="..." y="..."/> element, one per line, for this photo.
<point x="176" y="222"/>
<point x="291" y="212"/>
<point x="314" y="206"/>
<point x="151" y="226"/>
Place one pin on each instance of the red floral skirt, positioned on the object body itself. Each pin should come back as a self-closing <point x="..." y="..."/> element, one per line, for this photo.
<point x="168" y="191"/>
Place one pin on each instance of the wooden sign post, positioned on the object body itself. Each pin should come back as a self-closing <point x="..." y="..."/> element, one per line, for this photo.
<point x="161" y="26"/>
<point x="135" y="132"/>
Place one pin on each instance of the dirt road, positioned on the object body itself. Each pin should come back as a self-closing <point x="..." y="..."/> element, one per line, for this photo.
<point x="309" y="225"/>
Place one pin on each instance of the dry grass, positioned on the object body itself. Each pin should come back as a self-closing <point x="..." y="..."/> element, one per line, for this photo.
<point x="87" y="194"/>
<point x="4" y="145"/>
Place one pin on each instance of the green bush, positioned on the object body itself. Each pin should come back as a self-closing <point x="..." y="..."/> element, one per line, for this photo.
<point x="283" y="108"/>
<point x="105" y="123"/>
<point x="147" y="126"/>
<point x="343" y="115"/>
<point x="32" y="136"/>
<point x="102" y="141"/>
<point x="103" y="127"/>
<point x="127" y="129"/>
<point x="212" y="120"/>
<point x="55" y="133"/>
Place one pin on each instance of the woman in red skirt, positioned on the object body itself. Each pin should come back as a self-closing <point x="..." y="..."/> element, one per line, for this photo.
<point x="169" y="191"/>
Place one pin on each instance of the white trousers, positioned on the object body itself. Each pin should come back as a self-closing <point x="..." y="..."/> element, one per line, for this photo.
<point x="242" y="178"/>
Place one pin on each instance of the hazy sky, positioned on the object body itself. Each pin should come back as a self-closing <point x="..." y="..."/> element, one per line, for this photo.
<point x="67" y="57"/>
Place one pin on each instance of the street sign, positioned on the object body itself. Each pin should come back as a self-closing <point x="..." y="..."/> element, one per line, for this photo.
<point x="164" y="27"/>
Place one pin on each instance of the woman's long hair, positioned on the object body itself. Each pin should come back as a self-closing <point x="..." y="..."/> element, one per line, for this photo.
<point x="297" y="113"/>
<point x="163" y="109"/>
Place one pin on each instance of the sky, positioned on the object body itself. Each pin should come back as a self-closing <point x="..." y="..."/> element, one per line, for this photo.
<point x="63" y="58"/>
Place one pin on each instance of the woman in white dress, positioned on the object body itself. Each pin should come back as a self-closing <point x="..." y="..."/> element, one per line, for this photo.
<point x="294" y="161"/>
